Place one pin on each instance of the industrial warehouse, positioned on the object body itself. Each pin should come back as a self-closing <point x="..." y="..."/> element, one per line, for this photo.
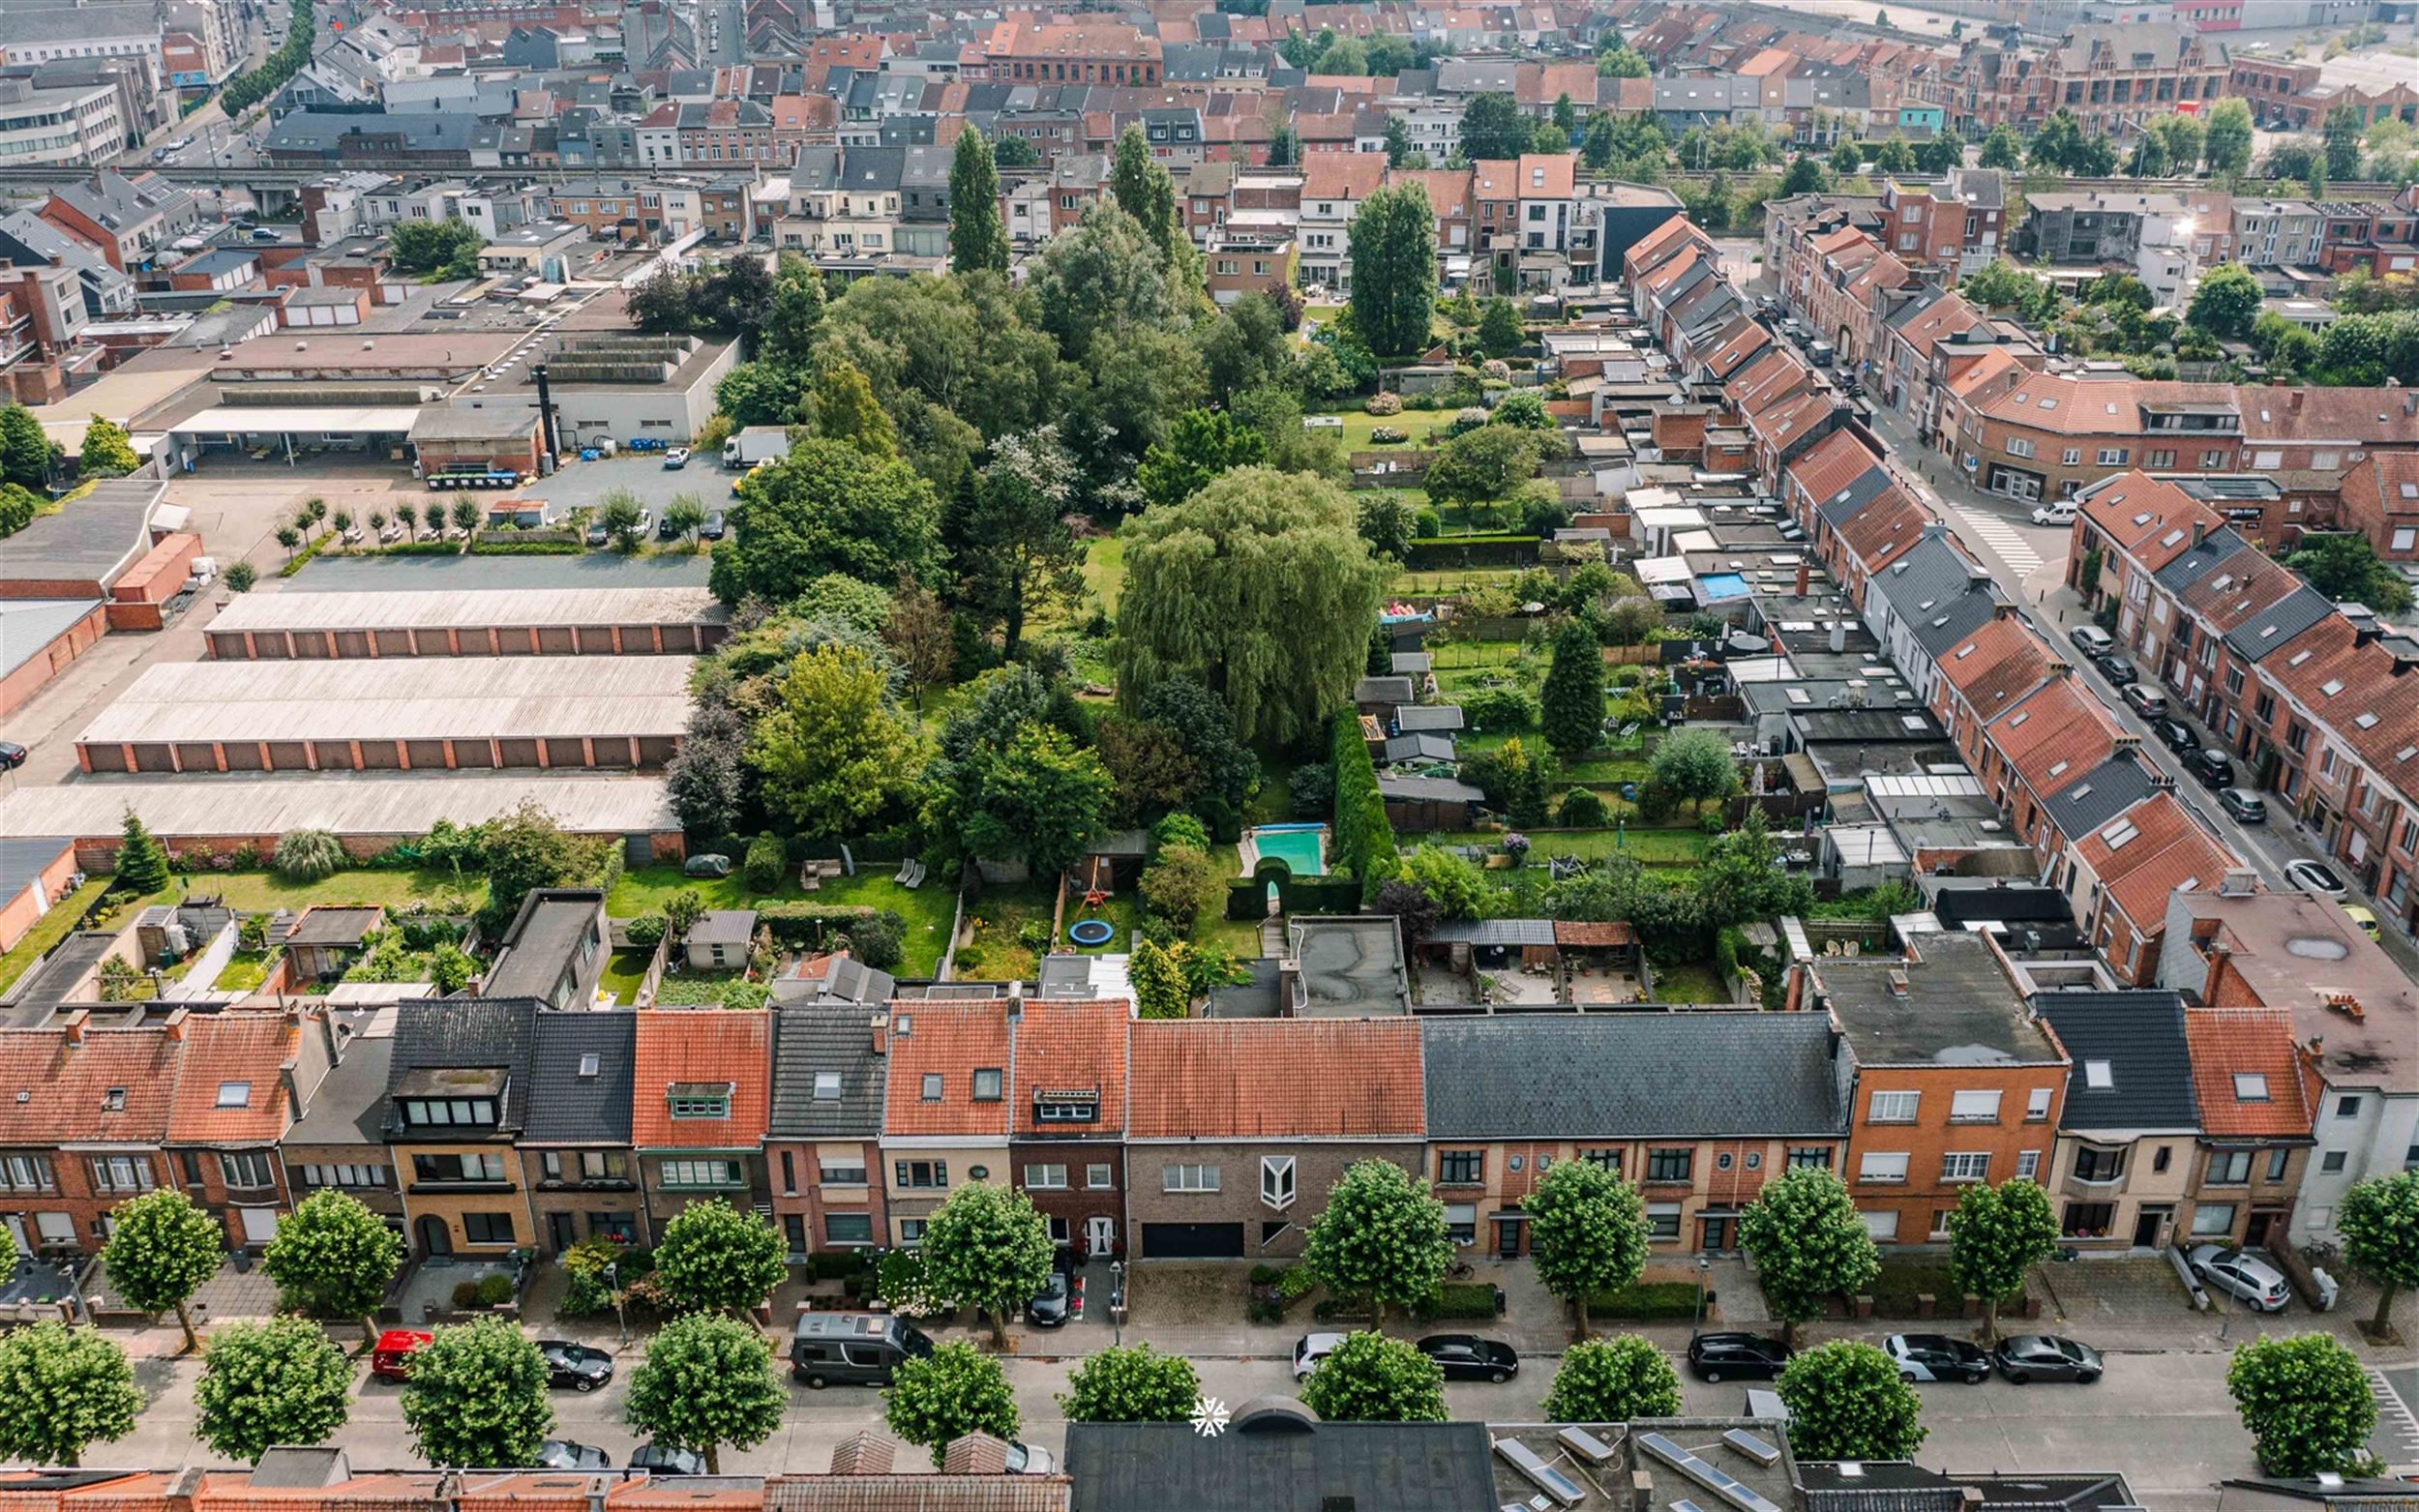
<point x="679" y="621"/>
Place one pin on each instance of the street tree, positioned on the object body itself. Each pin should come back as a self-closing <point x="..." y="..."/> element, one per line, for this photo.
<point x="61" y="1389"/>
<point x="707" y="1380"/>
<point x="107" y="451"/>
<point x="2306" y="1402"/>
<point x="1015" y="554"/>
<point x="976" y="239"/>
<point x="1807" y="175"/>
<point x="988" y="1246"/>
<point x="624" y="519"/>
<point x="1587" y="1233"/>
<point x="1131" y="1383"/>
<point x="1371" y="1379"/>
<point x="1810" y="1243"/>
<point x="1846" y="1401"/>
<point x="685" y="516"/>
<point x="279" y="1380"/>
<point x="2003" y="148"/>
<point x="1996" y="1235"/>
<point x="143" y="862"/>
<point x="829" y="507"/>
<point x="1572" y="702"/>
<point x="2227" y="139"/>
<point x="714" y="1258"/>
<point x="1393" y="234"/>
<point x="477" y="1396"/>
<point x="2380" y="1221"/>
<point x="947" y="1394"/>
<point x="334" y="1258"/>
<point x="1695" y="764"/>
<point x="1382" y="1237"/>
<point x="1613" y="1380"/>
<point x="162" y="1248"/>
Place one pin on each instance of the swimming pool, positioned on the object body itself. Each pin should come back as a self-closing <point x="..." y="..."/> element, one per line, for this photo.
<point x="1302" y="847"/>
<point x="1712" y="587"/>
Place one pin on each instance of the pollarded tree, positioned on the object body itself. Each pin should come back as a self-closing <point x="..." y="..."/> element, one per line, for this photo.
<point x="1131" y="1383"/>
<point x="1810" y="1243"/>
<point x="1392" y="240"/>
<point x="1572" y="702"/>
<point x="477" y="1396"/>
<point x="2306" y="1402"/>
<point x="61" y="1389"/>
<point x="272" y="1382"/>
<point x="947" y="1394"/>
<point x="1848" y="1402"/>
<point x="2380" y="1221"/>
<point x="1371" y="1379"/>
<point x="1612" y="1380"/>
<point x="1996" y="1235"/>
<point x="988" y="1246"/>
<point x="1260" y="588"/>
<point x="707" y="1381"/>
<point x="976" y="242"/>
<point x="335" y="1257"/>
<point x="1587" y="1233"/>
<point x="716" y="1259"/>
<point x="1381" y="1237"/>
<point x="162" y="1248"/>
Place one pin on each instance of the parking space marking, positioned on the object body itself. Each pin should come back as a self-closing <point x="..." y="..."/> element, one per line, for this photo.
<point x="2397" y="1439"/>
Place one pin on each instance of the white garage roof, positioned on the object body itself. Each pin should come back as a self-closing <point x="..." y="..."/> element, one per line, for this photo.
<point x="474" y="609"/>
<point x="275" y="419"/>
<point x="343" y="802"/>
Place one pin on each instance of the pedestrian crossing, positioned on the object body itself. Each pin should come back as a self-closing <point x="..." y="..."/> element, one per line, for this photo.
<point x="2004" y="539"/>
<point x="2397" y="1437"/>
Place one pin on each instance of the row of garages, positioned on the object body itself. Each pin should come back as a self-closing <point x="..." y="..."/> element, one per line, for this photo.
<point x="648" y="622"/>
<point x="579" y="752"/>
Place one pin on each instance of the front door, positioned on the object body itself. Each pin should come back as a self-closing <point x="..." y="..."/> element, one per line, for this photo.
<point x="1100" y="1235"/>
<point x="558" y="1234"/>
<point x="1507" y="1231"/>
<point x="1718" y="1232"/>
<point x="434" y="1238"/>
<point x="2149" y="1226"/>
<point x="2265" y="1229"/>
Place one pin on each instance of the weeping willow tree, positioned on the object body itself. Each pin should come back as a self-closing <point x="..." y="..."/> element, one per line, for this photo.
<point x="1260" y="588"/>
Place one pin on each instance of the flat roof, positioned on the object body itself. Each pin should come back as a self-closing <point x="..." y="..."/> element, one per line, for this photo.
<point x="88" y="540"/>
<point x="263" y="419"/>
<point x="508" y="609"/>
<point x="28" y="626"/>
<point x="425" y="699"/>
<point x="1951" y="1006"/>
<point x="23" y="858"/>
<point x="344" y="803"/>
<point x="518" y="574"/>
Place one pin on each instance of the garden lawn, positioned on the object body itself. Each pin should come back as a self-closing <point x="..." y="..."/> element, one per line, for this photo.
<point x="1122" y="910"/>
<point x="1448" y="583"/>
<point x="245" y="971"/>
<point x="647" y="889"/>
<point x="1904" y="1277"/>
<point x="1360" y="423"/>
<point x="255" y="892"/>
<point x="998" y="919"/>
<point x="625" y="971"/>
<point x="1692" y="982"/>
<point x="1650" y="847"/>
<point x="927" y="909"/>
<point x="49" y="929"/>
<point x="1104" y="570"/>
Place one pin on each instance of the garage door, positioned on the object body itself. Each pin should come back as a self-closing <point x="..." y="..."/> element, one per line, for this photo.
<point x="1192" y="1241"/>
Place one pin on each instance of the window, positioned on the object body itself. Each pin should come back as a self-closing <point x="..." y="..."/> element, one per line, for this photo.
<point x="2161" y="459"/>
<point x="2091" y="1165"/>
<point x="1892" y="1106"/>
<point x="2347" y="1107"/>
<point x="1188" y="1178"/>
<point x="1662" y="1221"/>
<point x="121" y="1174"/>
<point x="1880" y="1168"/>
<point x="2017" y="446"/>
<point x="700" y="1173"/>
<point x="458" y="1168"/>
<point x="1882" y="1225"/>
<point x="701" y="1105"/>
<point x="911" y="1232"/>
<point x="27" y="1174"/>
<point x="827" y="1087"/>
<point x="848" y="1228"/>
<point x="841" y="1174"/>
<point x="2251" y="1086"/>
<point x="2087" y="1220"/>
<point x="1609" y="1160"/>
<point x="920" y="1173"/>
<point x="932" y="1086"/>
<point x="2277" y="1161"/>
<point x="2213" y="1218"/>
<point x="2230" y="1168"/>
<point x="2072" y="457"/>
<point x="2027" y="1164"/>
<point x="2331" y="1162"/>
<point x="1669" y="1164"/>
<point x="1461" y="1222"/>
<point x="1460" y="1167"/>
<point x="987" y="1084"/>
<point x="2159" y="1160"/>
<point x="55" y="1228"/>
<point x="1974" y="1107"/>
<point x="439" y="1111"/>
<point x="1964" y="1165"/>
<point x="2037" y="1105"/>
<point x="1045" y="1178"/>
<point x="234" y="1094"/>
<point x="249" y="1168"/>
<point x="1099" y="1178"/>
<point x="2099" y="1075"/>
<point x="1276" y="1181"/>
<point x="487" y="1228"/>
<point x="2212" y="459"/>
<point x="589" y="1064"/>
<point x="1067" y="1108"/>
<point x="1813" y="1156"/>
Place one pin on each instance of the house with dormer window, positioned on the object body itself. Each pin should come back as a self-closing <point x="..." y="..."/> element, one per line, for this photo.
<point x="1067" y="1146"/>
<point x="946" y="1114"/>
<point x="700" y="1086"/>
<point x="456" y="1097"/>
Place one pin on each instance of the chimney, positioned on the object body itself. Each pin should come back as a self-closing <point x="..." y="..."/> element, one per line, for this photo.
<point x="175" y="1026"/>
<point x="2239" y="881"/>
<point x="1805" y="576"/>
<point x="882" y="1034"/>
<point x="1016" y="999"/>
<point x="178" y="1495"/>
<point x="74" y="1025"/>
<point x="2060" y="669"/>
<point x="2292" y="401"/>
<point x="2347" y="1006"/>
<point x="2200" y="528"/>
<point x="1897" y="983"/>
<point x="1839" y="634"/>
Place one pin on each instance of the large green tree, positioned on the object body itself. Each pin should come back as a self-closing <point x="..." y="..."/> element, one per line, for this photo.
<point x="1572" y="703"/>
<point x="2003" y="148"/>
<point x="476" y="1395"/>
<point x="1587" y="1233"/>
<point x="107" y="451"/>
<point x="1202" y="444"/>
<point x="1260" y="588"/>
<point x="2346" y="567"/>
<point x="1131" y="1383"/>
<point x="61" y="1389"/>
<point x="840" y="407"/>
<point x="828" y="507"/>
<point x="976" y="239"/>
<point x="24" y="449"/>
<point x="1613" y="1380"/>
<point x="1393" y="238"/>
<point x="2229" y="138"/>
<point x="2305" y="1402"/>
<point x="335" y="1257"/>
<point x="1371" y="1379"/>
<point x="707" y="1380"/>
<point x="717" y="1258"/>
<point x="1695" y="764"/>
<point x="988" y="1246"/>
<point x="2226" y="301"/>
<point x="1808" y="1241"/>
<point x="2380" y="1221"/>
<point x="1996" y="1235"/>
<point x="1480" y="468"/>
<point x="1039" y="799"/>
<point x="1015" y="554"/>
<point x="1847" y="1402"/>
<point x="264" y="1383"/>
<point x="1492" y="127"/>
<point x="947" y="1395"/>
<point x="1142" y="187"/>
<point x="1381" y="1238"/>
<point x="162" y="1248"/>
<point x="1101" y="281"/>
<point x="835" y="749"/>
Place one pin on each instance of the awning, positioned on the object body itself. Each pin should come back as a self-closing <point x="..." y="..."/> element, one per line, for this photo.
<point x="279" y="420"/>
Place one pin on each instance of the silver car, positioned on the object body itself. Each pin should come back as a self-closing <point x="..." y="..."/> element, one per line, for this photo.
<point x="2246" y="1278"/>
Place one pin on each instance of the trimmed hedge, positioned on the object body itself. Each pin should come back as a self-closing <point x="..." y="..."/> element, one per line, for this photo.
<point x="526" y="548"/>
<point x="1464" y="1300"/>
<point x="1364" y="838"/>
<point x="1440" y="553"/>
<point x="1650" y="1301"/>
<point x="1248" y="897"/>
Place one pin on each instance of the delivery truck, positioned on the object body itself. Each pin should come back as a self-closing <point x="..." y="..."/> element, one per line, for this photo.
<point x="756" y="444"/>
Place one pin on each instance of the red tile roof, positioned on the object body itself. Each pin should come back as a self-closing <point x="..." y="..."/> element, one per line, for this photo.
<point x="1342" y="175"/>
<point x="950" y="1040"/>
<point x="1996" y="666"/>
<point x="243" y="1054"/>
<point x="1830" y="464"/>
<point x="700" y="1047"/>
<point x="2229" y="1041"/>
<point x="55" y="1089"/>
<point x="1218" y="1079"/>
<point x="1071" y="1047"/>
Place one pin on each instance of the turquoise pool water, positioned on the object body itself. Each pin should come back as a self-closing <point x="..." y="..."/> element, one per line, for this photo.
<point x="1712" y="587"/>
<point x="1300" y="847"/>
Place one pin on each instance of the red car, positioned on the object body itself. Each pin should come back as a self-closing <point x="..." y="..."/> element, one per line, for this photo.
<point x="389" y="1361"/>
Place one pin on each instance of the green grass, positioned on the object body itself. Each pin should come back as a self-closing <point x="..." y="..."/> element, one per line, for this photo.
<point x="1693" y="981"/>
<point x="1104" y="570"/>
<point x="1417" y="424"/>
<point x="927" y="909"/>
<point x="625" y="970"/>
<point x="1646" y="1301"/>
<point x="49" y="929"/>
<point x="1652" y="846"/>
<point x="1122" y="910"/>
<point x="245" y="971"/>
<point x="1904" y="1277"/>
<point x="253" y="892"/>
<point x="645" y="890"/>
<point x="1446" y="584"/>
<point x="997" y="920"/>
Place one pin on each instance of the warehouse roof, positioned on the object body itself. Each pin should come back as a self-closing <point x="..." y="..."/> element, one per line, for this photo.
<point x="424" y="699"/>
<point x="343" y="802"/>
<point x="316" y="419"/>
<point x="475" y="609"/>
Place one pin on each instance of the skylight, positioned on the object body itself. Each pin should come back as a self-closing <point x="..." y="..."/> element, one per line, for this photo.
<point x="2117" y="834"/>
<point x="2099" y="1075"/>
<point x="2251" y="1086"/>
<point x="2331" y="686"/>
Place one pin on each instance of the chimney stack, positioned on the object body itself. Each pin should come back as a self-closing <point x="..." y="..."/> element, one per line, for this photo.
<point x="74" y="1025"/>
<point x="1805" y="576"/>
<point x="882" y="1034"/>
<point x="175" y="1026"/>
<point x="2201" y="531"/>
<point x="2239" y="881"/>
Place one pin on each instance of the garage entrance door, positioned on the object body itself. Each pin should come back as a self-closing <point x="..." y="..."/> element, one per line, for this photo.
<point x="1192" y="1241"/>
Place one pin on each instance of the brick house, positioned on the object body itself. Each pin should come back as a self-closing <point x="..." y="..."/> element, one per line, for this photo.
<point x="457" y="1096"/>
<point x="1068" y="1098"/>
<point x="700" y="1095"/>
<point x="2123" y="1172"/>
<point x="823" y="1146"/>
<point x="2378" y="496"/>
<point x="238" y="1089"/>
<point x="575" y="1152"/>
<point x="83" y="1130"/>
<point x="2257" y="1095"/>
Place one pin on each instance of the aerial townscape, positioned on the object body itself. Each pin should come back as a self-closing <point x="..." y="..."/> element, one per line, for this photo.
<point x="1209" y="755"/>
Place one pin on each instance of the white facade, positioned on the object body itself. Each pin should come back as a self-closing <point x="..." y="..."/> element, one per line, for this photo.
<point x="65" y="127"/>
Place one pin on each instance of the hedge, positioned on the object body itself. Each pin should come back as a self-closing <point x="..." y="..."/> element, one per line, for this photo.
<point x="1440" y="553"/>
<point x="1650" y="1301"/>
<point x="526" y="548"/>
<point x="1364" y="840"/>
<point x="1248" y="897"/>
<point x="1466" y="1300"/>
<point x="417" y="548"/>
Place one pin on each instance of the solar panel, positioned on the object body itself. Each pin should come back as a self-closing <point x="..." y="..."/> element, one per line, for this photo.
<point x="1754" y="1448"/>
<point x="1684" y="1504"/>
<point x="1714" y="1478"/>
<point x="1553" y="1482"/>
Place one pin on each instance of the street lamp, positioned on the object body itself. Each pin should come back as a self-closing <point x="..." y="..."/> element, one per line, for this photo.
<point x="1704" y="1269"/>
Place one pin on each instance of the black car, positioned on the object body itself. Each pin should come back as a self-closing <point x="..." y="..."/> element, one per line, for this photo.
<point x="666" y="1458"/>
<point x="574" y="1365"/>
<point x="1465" y="1357"/>
<point x="2177" y="736"/>
<point x="1936" y="1357"/>
<point x="1057" y="1300"/>
<point x="665" y="529"/>
<point x="12" y="755"/>
<point x="2116" y="668"/>
<point x="2040" y="1357"/>
<point x="2210" y="768"/>
<point x="1736" y="1356"/>
<point x="561" y="1454"/>
<point x="715" y="526"/>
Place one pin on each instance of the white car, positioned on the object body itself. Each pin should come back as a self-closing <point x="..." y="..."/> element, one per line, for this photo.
<point x="2310" y="876"/>
<point x="1030" y="1459"/>
<point x="675" y="458"/>
<point x="1313" y="1348"/>
<point x="2061" y="513"/>
<point x="2249" y="1280"/>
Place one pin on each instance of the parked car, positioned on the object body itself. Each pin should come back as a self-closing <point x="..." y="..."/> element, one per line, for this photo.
<point x="598" y="535"/>
<point x="1736" y="1356"/>
<point x="2362" y="919"/>
<point x="2060" y="513"/>
<point x="715" y="526"/>
<point x="2091" y="639"/>
<point x="2040" y="1357"/>
<point x="2310" y="876"/>
<point x="664" y="1459"/>
<point x="2246" y="1278"/>
<point x="665" y="530"/>
<point x="2210" y="767"/>
<point x="388" y="1357"/>
<point x="675" y="458"/>
<point x="2116" y="668"/>
<point x="2244" y="806"/>
<point x="561" y="1454"/>
<point x="1936" y="1357"/>
<point x="1030" y="1459"/>
<point x="2148" y="702"/>
<point x="707" y="864"/>
<point x="1311" y="1350"/>
<point x="2177" y="736"/>
<point x="1057" y="1298"/>
<point x="1464" y="1357"/>
<point x="12" y="755"/>
<point x="574" y="1365"/>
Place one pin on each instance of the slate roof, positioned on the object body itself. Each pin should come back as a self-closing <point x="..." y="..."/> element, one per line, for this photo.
<point x="1416" y="719"/>
<point x="1290" y="1467"/>
<point x="2196" y="562"/>
<point x="466" y="1033"/>
<point x="2270" y="629"/>
<point x="808" y="1038"/>
<point x="1933" y="587"/>
<point x="1848" y="502"/>
<point x="1417" y="748"/>
<point x="2141" y="1037"/>
<point x="1494" y="932"/>
<point x="2100" y="795"/>
<point x="1696" y="1075"/>
<point x="567" y="1108"/>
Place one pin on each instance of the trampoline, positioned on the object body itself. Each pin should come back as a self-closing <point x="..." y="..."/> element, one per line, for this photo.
<point x="1092" y="931"/>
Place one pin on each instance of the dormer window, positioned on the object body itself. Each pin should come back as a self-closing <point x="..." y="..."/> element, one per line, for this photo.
<point x="1062" y="1106"/>
<point x="698" y="1099"/>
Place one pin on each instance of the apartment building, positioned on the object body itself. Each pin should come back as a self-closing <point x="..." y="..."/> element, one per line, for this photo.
<point x="2111" y="78"/>
<point x="701" y="1091"/>
<point x="1333" y="187"/>
<point x="1706" y="1108"/>
<point x="2031" y="436"/>
<point x="2151" y="236"/>
<point x="1031" y="51"/>
<point x="63" y="125"/>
